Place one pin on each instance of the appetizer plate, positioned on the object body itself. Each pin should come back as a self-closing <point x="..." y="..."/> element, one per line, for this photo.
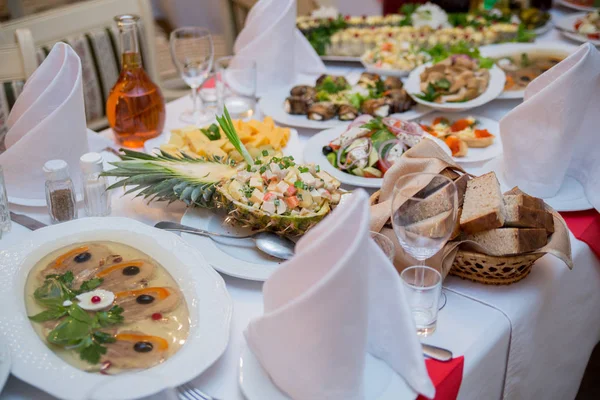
<point x="566" y="26"/>
<point x="474" y="154"/>
<point x="570" y="197"/>
<point x="313" y="153"/>
<point x="380" y="381"/>
<point x="341" y="59"/>
<point x="290" y="149"/>
<point x="271" y="104"/>
<point x="497" y="51"/>
<point x="573" y="6"/>
<point x="495" y="87"/>
<point x="385" y="71"/>
<point x="544" y="28"/>
<point x="234" y="257"/>
<point x="209" y="304"/>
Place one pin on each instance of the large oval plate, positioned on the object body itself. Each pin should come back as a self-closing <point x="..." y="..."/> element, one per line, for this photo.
<point x="566" y="25"/>
<point x="313" y="153"/>
<point x="497" y="51"/>
<point x="204" y="290"/>
<point x="272" y="103"/>
<point x="495" y="87"/>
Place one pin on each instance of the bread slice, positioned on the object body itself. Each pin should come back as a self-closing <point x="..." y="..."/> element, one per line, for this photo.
<point x="506" y="241"/>
<point x="461" y="188"/>
<point x="524" y="217"/>
<point x="523" y="200"/>
<point x="450" y="173"/>
<point x="437" y="226"/>
<point x="483" y="207"/>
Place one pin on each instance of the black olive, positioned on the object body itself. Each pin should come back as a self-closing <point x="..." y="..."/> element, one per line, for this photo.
<point x="144" y="299"/>
<point x="131" y="270"/>
<point x="83" y="257"/>
<point x="143" y="347"/>
<point x="327" y="150"/>
<point x="525" y="79"/>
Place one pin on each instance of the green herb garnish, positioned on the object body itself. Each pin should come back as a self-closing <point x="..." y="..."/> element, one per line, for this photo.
<point x="212" y="132"/>
<point x="303" y="169"/>
<point x="430" y="94"/>
<point x="229" y="130"/>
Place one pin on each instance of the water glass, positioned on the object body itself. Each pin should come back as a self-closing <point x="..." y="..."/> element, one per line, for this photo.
<point x="423" y="286"/>
<point x="5" y="223"/>
<point x="385" y="244"/>
<point x="236" y="85"/>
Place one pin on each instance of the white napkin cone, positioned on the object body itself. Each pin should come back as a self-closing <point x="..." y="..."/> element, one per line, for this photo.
<point x="280" y="51"/>
<point x="47" y="122"/>
<point x="556" y="130"/>
<point x="337" y="299"/>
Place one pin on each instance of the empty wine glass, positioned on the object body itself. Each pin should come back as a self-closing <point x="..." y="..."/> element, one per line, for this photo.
<point x="192" y="52"/>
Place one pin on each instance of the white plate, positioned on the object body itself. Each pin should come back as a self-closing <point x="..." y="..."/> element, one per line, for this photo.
<point x="573" y="6"/>
<point x="385" y="71"/>
<point x="271" y="104"/>
<point x="4" y="365"/>
<point x="349" y="59"/>
<point x="291" y="148"/>
<point x="313" y="153"/>
<point x="495" y="87"/>
<point x="497" y="51"/>
<point x="380" y="381"/>
<point x="204" y="290"/>
<point x="544" y="28"/>
<point x="570" y="197"/>
<point x="566" y="26"/>
<point x="234" y="257"/>
<point x="474" y="154"/>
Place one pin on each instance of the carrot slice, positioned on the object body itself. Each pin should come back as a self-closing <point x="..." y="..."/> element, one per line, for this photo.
<point x="61" y="259"/>
<point x="510" y="82"/>
<point x="119" y="266"/>
<point x="159" y="342"/>
<point x="160" y="292"/>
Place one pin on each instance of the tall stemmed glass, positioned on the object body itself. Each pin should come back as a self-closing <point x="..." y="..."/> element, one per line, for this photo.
<point x="193" y="52"/>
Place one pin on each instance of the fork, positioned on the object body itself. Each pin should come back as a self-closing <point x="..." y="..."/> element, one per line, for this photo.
<point x="188" y="392"/>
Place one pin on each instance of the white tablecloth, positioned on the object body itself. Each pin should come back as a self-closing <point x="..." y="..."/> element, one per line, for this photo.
<point x="527" y="340"/>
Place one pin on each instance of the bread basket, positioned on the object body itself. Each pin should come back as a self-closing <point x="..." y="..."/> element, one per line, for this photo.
<point x="489" y="270"/>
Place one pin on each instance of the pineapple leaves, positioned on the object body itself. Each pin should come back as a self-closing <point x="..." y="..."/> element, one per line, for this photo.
<point x="227" y="126"/>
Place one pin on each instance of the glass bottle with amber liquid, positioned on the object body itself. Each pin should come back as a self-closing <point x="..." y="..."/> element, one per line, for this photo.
<point x="135" y="107"/>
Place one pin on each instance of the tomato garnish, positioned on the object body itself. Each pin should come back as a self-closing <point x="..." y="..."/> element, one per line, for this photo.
<point x="594" y="36"/>
<point x="578" y="24"/>
<point x="386" y="46"/>
<point x="160" y="343"/>
<point x="460" y="125"/>
<point x="482" y="133"/>
<point x="159" y="292"/>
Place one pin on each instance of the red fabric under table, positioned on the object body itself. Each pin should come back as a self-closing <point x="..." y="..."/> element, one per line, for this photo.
<point x="446" y="377"/>
<point x="585" y="226"/>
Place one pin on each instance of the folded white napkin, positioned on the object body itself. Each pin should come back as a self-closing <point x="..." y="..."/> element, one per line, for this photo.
<point x="336" y="300"/>
<point x="555" y="131"/>
<point x="47" y="122"/>
<point x="280" y="51"/>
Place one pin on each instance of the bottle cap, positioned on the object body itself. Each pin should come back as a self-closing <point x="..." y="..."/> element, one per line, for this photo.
<point x="91" y="163"/>
<point x="56" y="170"/>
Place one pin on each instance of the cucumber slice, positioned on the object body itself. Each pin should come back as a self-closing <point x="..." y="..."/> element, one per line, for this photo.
<point x="358" y="172"/>
<point x="373" y="157"/>
<point x="332" y="158"/>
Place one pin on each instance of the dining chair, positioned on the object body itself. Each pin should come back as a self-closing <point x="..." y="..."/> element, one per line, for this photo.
<point x="89" y="28"/>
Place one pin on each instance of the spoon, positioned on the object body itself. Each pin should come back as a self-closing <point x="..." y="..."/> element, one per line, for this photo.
<point x="269" y="243"/>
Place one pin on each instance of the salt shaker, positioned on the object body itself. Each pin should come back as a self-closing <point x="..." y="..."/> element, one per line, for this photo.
<point x="60" y="194"/>
<point x="95" y="196"/>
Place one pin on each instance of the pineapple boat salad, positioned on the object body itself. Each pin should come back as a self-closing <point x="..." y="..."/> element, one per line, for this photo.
<point x="267" y="193"/>
<point x="370" y="146"/>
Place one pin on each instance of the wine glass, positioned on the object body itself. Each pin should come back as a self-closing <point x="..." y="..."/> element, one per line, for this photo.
<point x="193" y="52"/>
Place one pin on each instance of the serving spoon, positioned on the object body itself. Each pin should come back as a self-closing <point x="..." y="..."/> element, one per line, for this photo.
<point x="267" y="242"/>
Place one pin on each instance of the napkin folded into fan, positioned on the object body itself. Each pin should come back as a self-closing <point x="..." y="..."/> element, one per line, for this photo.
<point x="47" y="122"/>
<point x="554" y="132"/>
<point x="336" y="300"/>
<point x="271" y="39"/>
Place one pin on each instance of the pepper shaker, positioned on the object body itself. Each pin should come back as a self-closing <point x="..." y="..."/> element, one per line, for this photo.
<point x="60" y="193"/>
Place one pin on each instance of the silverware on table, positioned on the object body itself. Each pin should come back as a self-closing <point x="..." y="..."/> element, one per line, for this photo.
<point x="437" y="353"/>
<point x="269" y="243"/>
<point x="26" y="221"/>
<point x="188" y="392"/>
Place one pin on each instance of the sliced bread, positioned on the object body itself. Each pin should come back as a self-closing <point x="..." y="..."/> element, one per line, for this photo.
<point x="483" y="207"/>
<point x="450" y="173"/>
<point x="523" y="199"/>
<point x="506" y="241"/>
<point x="461" y="188"/>
<point x="524" y="217"/>
<point x="437" y="226"/>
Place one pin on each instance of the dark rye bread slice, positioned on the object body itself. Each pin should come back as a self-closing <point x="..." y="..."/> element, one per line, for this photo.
<point x="483" y="207"/>
<point x="524" y="217"/>
<point x="507" y="241"/>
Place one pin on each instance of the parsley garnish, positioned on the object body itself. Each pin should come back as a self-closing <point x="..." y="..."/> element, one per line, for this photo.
<point x="212" y="132"/>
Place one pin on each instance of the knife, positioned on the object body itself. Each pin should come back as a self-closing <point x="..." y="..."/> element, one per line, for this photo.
<point x="26" y="221"/>
<point x="437" y="353"/>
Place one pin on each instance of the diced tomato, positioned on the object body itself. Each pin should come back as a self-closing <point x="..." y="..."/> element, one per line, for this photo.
<point x="268" y="196"/>
<point x="291" y="190"/>
<point x="383" y="166"/>
<point x="441" y="120"/>
<point x="578" y="24"/>
<point x="594" y="36"/>
<point x="460" y="125"/>
<point x="482" y="133"/>
<point x="369" y="175"/>
<point x="454" y="143"/>
<point x="335" y="147"/>
<point x="292" y="202"/>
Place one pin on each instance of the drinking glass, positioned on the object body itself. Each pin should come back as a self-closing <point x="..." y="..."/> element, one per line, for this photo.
<point x="192" y="52"/>
<point x="423" y="288"/>
<point x="236" y="85"/>
<point x="385" y="244"/>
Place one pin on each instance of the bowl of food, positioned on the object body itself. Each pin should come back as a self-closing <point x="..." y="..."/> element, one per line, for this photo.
<point x="97" y="297"/>
<point x="457" y="83"/>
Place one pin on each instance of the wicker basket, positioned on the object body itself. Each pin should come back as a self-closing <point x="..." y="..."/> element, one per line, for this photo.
<point x="492" y="270"/>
